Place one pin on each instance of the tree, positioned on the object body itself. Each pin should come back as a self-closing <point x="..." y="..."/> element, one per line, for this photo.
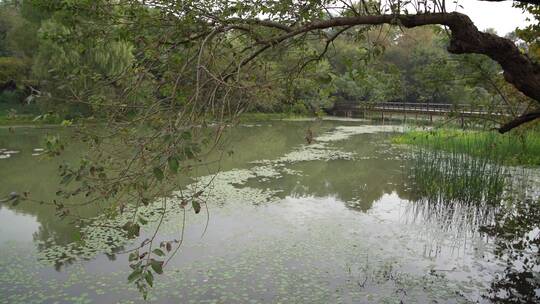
<point x="186" y="64"/>
<point x="292" y="22"/>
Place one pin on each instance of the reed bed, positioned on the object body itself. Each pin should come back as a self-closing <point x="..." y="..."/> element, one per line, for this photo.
<point x="508" y="149"/>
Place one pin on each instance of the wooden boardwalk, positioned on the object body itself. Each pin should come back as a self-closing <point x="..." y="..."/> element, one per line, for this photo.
<point x="425" y="109"/>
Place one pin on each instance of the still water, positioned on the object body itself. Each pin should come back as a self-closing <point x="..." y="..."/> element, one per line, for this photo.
<point x="336" y="221"/>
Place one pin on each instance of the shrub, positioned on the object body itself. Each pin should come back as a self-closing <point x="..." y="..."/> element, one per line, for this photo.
<point x="12" y="69"/>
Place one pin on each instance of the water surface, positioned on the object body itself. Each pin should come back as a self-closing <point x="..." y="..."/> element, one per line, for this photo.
<point x="332" y="222"/>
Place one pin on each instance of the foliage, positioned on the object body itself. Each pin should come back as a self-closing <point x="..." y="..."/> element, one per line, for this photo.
<point x="167" y="78"/>
<point x="12" y="69"/>
<point x="508" y="149"/>
<point x="476" y="193"/>
<point x="453" y="177"/>
<point x="530" y="33"/>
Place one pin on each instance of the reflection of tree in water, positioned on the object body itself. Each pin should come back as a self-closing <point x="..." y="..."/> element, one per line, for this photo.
<point x="67" y="233"/>
<point x="363" y="181"/>
<point x="502" y="209"/>
<point x="38" y="176"/>
<point x="517" y="236"/>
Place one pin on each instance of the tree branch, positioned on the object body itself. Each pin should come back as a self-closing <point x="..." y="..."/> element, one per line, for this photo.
<point x="518" y="68"/>
<point x="528" y="117"/>
<point x="522" y="1"/>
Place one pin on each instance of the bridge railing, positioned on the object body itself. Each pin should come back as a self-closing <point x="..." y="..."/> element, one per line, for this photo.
<point x="437" y="107"/>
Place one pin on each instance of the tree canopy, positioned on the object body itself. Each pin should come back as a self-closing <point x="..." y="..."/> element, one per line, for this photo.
<point x="166" y="76"/>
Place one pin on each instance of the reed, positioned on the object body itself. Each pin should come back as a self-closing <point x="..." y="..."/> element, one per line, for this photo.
<point x="454" y="176"/>
<point x="508" y="149"/>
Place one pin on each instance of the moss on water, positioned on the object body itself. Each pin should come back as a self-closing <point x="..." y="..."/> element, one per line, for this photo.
<point x="305" y="250"/>
<point x="227" y="186"/>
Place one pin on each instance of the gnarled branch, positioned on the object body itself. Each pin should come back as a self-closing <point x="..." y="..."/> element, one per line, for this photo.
<point x="518" y="68"/>
<point x="528" y="117"/>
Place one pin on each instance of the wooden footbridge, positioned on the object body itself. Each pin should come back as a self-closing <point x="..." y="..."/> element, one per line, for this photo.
<point x="387" y="109"/>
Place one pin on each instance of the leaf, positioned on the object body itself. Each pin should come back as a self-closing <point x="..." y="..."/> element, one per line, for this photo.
<point x="158" y="174"/>
<point x="196" y="206"/>
<point x="186" y="135"/>
<point x="173" y="164"/>
<point x="149" y="277"/>
<point x="158" y="252"/>
<point x="132" y="229"/>
<point x="157" y="266"/>
<point x="136" y="274"/>
<point x="133" y="256"/>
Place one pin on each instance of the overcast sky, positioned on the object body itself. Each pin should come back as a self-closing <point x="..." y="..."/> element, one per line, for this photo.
<point x="498" y="15"/>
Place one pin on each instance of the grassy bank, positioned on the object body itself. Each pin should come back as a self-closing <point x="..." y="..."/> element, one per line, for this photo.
<point x="9" y="118"/>
<point x="17" y="113"/>
<point x="508" y="149"/>
<point x="28" y="119"/>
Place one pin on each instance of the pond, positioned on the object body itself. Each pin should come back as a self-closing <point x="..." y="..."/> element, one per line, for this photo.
<point x="337" y="221"/>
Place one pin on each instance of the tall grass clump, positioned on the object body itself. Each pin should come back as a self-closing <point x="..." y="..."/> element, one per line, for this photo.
<point x="455" y="190"/>
<point x="509" y="149"/>
<point x="453" y="176"/>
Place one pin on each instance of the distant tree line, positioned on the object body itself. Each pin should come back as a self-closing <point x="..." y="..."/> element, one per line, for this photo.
<point x="68" y="70"/>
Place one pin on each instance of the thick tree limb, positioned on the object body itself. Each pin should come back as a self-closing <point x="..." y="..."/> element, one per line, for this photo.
<point x="519" y="121"/>
<point x="522" y="1"/>
<point x="266" y="23"/>
<point x="518" y="68"/>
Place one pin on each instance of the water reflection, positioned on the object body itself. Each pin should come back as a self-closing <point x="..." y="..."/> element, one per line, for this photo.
<point x="350" y="231"/>
<point x="351" y="183"/>
<point x="471" y="197"/>
<point x="516" y="231"/>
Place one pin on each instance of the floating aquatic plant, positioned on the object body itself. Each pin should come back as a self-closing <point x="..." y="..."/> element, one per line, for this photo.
<point x="105" y="234"/>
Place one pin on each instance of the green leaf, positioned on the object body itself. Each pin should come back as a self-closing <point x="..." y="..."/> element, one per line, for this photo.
<point x="157" y="266"/>
<point x="136" y="274"/>
<point x="186" y="135"/>
<point x="142" y="220"/>
<point x="196" y="206"/>
<point x="173" y="164"/>
<point x="158" y="174"/>
<point x="149" y="277"/>
<point x="158" y="252"/>
<point x="133" y="256"/>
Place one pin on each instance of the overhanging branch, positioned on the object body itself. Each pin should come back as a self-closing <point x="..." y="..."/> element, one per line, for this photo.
<point x="525" y="118"/>
<point x="518" y="68"/>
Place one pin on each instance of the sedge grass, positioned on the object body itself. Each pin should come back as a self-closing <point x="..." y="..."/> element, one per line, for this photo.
<point x="508" y="149"/>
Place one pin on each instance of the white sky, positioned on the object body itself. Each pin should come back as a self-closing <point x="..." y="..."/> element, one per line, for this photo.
<point x="498" y="15"/>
